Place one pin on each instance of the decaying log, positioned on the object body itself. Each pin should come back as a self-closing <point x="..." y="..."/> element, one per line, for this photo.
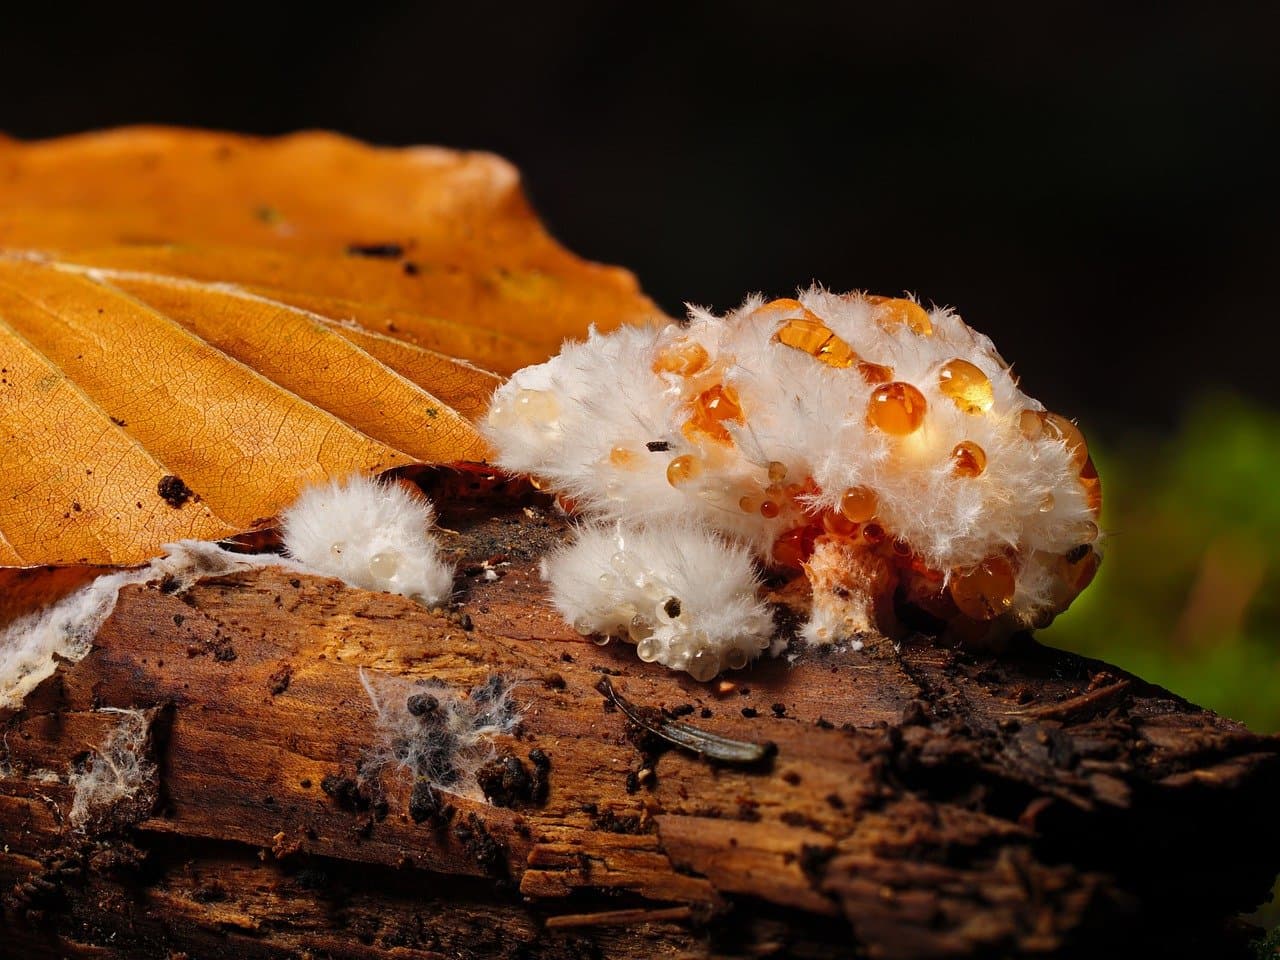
<point x="919" y="801"/>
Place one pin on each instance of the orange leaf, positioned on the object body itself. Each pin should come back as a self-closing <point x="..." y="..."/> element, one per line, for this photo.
<point x="193" y="326"/>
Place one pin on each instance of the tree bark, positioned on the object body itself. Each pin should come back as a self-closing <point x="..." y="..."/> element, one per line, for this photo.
<point x="922" y="801"/>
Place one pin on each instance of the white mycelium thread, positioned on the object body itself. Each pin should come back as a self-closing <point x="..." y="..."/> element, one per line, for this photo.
<point x="118" y="767"/>
<point x="369" y="534"/>
<point x="31" y="645"/>
<point x="881" y="449"/>
<point x="681" y="593"/>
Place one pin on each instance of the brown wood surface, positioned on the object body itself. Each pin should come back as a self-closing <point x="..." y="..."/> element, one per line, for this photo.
<point x="923" y="801"/>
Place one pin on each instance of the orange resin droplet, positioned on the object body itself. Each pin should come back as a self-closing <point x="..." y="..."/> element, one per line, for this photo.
<point x="968" y="459"/>
<point x="621" y="456"/>
<point x="858" y="504"/>
<point x="810" y="334"/>
<point x="806" y="333"/>
<point x="895" y="311"/>
<point x="777" y="471"/>
<point x="781" y="305"/>
<point x="967" y="386"/>
<point x="683" y="469"/>
<point x="1058" y="426"/>
<point x="1031" y="424"/>
<point x="684" y="357"/>
<point x="749" y="503"/>
<point x="896" y="408"/>
<point x="875" y="372"/>
<point x="768" y="509"/>
<point x="712" y="408"/>
<point x="986" y="591"/>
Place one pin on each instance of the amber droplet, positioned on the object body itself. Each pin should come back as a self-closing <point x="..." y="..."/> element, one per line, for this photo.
<point x="1031" y="424"/>
<point x="538" y="483"/>
<point x="838" y="525"/>
<point x="684" y="357"/>
<point x="858" y="504"/>
<point x="810" y="334"/>
<point x="621" y="456"/>
<point x="781" y="305"/>
<point x="895" y="311"/>
<point x="968" y="459"/>
<point x="873" y="533"/>
<point x="768" y="509"/>
<point x="875" y="372"/>
<point x="1092" y="484"/>
<point x="896" y="408"/>
<point x="806" y="333"/>
<point x="967" y="386"/>
<point x="683" y="469"/>
<point x="712" y="408"/>
<point x="1058" y="426"/>
<point x="986" y="591"/>
<point x="777" y="471"/>
<point x="749" y="503"/>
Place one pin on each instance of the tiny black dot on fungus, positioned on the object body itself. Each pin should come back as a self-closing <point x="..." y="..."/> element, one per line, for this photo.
<point x="779" y="709"/>
<point x="118" y="422"/>
<point x="706" y="713"/>
<point x="683" y="710"/>
<point x="410" y="268"/>
<point x="750" y="712"/>
<point x="658" y="446"/>
<point x="384" y="251"/>
<point x="173" y="491"/>
<point x="76" y="507"/>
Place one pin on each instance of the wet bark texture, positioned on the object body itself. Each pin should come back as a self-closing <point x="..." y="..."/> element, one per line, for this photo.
<point x="922" y="801"/>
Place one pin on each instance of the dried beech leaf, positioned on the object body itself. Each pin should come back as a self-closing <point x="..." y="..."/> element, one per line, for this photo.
<point x="193" y="326"/>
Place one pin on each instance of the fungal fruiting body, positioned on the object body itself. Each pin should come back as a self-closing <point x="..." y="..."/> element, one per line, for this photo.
<point x="685" y="596"/>
<point x="370" y="534"/>
<point x="882" y="450"/>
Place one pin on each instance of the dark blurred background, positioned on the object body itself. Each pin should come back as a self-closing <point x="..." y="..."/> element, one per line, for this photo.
<point x="1096" y="190"/>
<point x="1094" y="187"/>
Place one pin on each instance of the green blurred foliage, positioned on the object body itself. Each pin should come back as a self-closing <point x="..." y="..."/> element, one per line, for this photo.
<point x="1188" y="595"/>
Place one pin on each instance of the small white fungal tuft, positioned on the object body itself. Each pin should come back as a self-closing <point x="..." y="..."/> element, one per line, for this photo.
<point x="875" y="447"/>
<point x="116" y="770"/>
<point x="369" y="534"/>
<point x="683" y="594"/>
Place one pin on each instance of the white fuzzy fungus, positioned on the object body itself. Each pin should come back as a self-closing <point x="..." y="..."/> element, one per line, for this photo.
<point x="118" y="768"/>
<point x="684" y="595"/>
<point x="882" y="450"/>
<point x="370" y="534"/>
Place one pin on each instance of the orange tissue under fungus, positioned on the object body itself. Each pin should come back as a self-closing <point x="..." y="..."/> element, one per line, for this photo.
<point x="986" y="591"/>
<point x="967" y="386"/>
<point x="896" y="408"/>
